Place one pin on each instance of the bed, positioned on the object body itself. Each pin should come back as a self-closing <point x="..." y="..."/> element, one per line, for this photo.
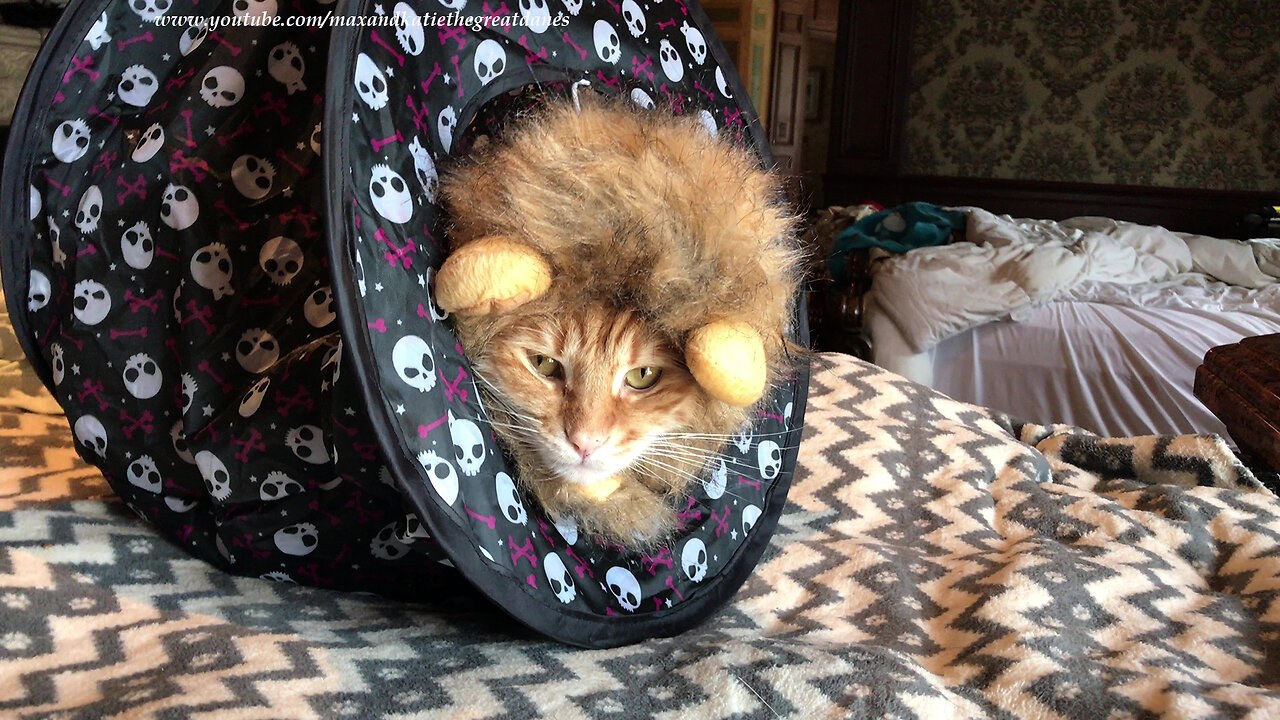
<point x="1090" y="321"/>
<point x="935" y="559"/>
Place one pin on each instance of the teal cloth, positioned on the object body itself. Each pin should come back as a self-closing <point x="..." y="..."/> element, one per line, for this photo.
<point x="898" y="230"/>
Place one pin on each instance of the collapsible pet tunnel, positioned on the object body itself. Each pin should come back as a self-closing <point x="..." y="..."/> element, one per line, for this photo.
<point x="238" y="321"/>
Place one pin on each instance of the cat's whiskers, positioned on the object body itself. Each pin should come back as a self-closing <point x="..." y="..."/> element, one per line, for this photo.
<point x="722" y="436"/>
<point x="660" y="465"/>
<point x="497" y="398"/>
<point x="681" y="452"/>
<point x="696" y="453"/>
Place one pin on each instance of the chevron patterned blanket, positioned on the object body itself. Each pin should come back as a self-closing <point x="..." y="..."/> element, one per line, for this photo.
<point x="936" y="561"/>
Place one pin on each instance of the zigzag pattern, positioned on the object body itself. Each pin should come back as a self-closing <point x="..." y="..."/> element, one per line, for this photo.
<point x="929" y="565"/>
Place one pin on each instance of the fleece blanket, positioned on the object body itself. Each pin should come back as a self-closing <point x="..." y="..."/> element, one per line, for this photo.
<point x="1008" y="266"/>
<point x="936" y="560"/>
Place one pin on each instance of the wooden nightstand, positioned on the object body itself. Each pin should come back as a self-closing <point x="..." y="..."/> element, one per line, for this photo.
<point x="1241" y="385"/>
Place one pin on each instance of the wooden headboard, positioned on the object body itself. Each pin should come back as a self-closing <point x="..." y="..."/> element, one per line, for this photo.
<point x="871" y="77"/>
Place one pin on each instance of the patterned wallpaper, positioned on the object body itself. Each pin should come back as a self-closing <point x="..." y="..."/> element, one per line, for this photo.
<point x="1127" y="92"/>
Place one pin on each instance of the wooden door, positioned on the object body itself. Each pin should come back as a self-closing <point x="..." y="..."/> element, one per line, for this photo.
<point x="790" y="63"/>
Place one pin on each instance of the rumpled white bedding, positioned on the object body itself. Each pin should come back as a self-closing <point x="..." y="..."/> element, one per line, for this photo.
<point x="1010" y="266"/>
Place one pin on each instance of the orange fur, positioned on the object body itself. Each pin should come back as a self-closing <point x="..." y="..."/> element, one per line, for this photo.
<point x="652" y="229"/>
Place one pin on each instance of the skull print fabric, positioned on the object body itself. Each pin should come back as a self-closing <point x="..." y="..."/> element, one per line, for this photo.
<point x="234" y="305"/>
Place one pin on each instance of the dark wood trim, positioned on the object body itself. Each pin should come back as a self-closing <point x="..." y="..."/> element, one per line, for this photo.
<point x="871" y="78"/>
<point x="1218" y="213"/>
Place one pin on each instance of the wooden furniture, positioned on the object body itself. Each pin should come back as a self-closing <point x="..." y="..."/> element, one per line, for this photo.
<point x="1241" y="385"/>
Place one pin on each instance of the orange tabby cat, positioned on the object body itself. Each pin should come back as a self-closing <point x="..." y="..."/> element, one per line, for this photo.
<point x="651" y="228"/>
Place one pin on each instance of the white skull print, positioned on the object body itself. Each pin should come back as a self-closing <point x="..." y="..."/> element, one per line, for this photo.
<point x="709" y="122"/>
<point x="179" y="437"/>
<point x="149" y="144"/>
<point x="58" y="362"/>
<point x="769" y="458"/>
<point x="445" y="124"/>
<point x="189" y="388"/>
<point x="633" y="16"/>
<point x="39" y="291"/>
<point x="142" y="377"/>
<point x="179" y="208"/>
<point x="568" y="529"/>
<point x="414" y="362"/>
<point x="298" y="540"/>
<point x="281" y="259"/>
<point x="512" y="508"/>
<point x="559" y="578"/>
<point x="222" y="87"/>
<point x="263" y="9"/>
<point x="98" y="35"/>
<point x="719" y="478"/>
<point x="537" y="16"/>
<point x="278" y="486"/>
<point x="371" y="84"/>
<point x="608" y="48"/>
<point x="468" y="444"/>
<point x="425" y="169"/>
<point x="696" y="43"/>
<point x="360" y="285"/>
<point x="693" y="560"/>
<point x="89" y="212"/>
<point x="307" y="442"/>
<point x="641" y="98"/>
<point x="318" y="308"/>
<point x="91" y="433"/>
<point x="193" y="36"/>
<point x="71" y="140"/>
<point x="444" y="479"/>
<point x="672" y="65"/>
<point x="386" y="545"/>
<point x="55" y="242"/>
<point x="722" y="84"/>
<point x="217" y="481"/>
<point x="211" y="268"/>
<point x="253" y="397"/>
<point x="149" y="10"/>
<point x="143" y="473"/>
<point x="286" y="65"/>
<point x="409" y="31"/>
<point x="390" y="194"/>
<point x="490" y="61"/>
<point x="624" y="588"/>
<point x="257" y="350"/>
<point x="91" y="303"/>
<point x="252" y="176"/>
<point x="137" y="85"/>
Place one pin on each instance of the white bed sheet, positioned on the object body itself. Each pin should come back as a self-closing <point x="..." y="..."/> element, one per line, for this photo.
<point x="1113" y="369"/>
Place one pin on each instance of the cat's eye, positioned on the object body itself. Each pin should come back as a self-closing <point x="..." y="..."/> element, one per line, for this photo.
<point x="642" y="378"/>
<point x="545" y="365"/>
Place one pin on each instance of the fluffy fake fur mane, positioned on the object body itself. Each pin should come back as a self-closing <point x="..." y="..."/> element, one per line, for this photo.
<point x="641" y="210"/>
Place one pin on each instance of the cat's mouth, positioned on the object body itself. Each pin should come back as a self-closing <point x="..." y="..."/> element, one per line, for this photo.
<point x="572" y="468"/>
<point x="587" y="472"/>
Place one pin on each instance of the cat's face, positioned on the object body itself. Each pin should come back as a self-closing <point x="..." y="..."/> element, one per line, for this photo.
<point x="593" y="388"/>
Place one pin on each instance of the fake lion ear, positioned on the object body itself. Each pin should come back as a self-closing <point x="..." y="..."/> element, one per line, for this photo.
<point x="727" y="359"/>
<point x="494" y="274"/>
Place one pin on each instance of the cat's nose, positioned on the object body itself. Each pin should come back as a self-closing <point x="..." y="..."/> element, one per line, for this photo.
<point x="586" y="443"/>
